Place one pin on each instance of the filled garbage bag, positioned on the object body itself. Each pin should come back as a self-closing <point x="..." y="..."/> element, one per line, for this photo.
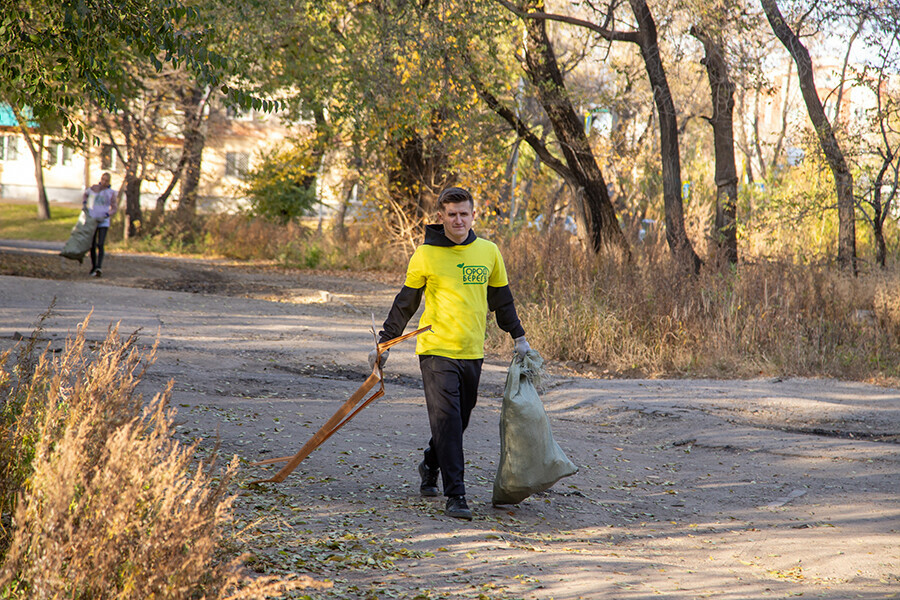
<point x="79" y="241"/>
<point x="530" y="459"/>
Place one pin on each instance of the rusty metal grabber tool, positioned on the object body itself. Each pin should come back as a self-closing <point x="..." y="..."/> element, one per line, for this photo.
<point x="342" y="416"/>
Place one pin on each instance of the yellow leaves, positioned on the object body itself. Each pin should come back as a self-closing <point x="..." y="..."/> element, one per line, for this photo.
<point x="795" y="574"/>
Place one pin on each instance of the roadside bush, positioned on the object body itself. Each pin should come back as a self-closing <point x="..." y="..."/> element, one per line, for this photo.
<point x="281" y="187"/>
<point x="291" y="245"/>
<point x="99" y="501"/>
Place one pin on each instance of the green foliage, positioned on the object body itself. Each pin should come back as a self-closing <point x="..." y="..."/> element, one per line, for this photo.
<point x="56" y="53"/>
<point x="281" y="187"/>
<point x="792" y="212"/>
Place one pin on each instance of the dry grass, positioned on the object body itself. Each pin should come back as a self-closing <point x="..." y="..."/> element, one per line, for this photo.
<point x="778" y="315"/>
<point x="292" y="245"/>
<point x="104" y="503"/>
<point x="770" y="317"/>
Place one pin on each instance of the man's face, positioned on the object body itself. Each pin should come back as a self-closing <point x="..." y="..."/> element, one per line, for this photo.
<point x="457" y="218"/>
<point x="104" y="180"/>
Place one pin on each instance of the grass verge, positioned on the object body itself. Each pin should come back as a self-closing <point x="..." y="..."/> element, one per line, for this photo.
<point x="20" y="222"/>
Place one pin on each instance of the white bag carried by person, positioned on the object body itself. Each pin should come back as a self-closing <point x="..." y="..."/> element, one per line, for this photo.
<point x="530" y="459"/>
<point x="80" y="239"/>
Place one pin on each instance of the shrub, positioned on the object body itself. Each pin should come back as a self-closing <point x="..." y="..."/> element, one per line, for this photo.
<point x="104" y="502"/>
<point x="282" y="186"/>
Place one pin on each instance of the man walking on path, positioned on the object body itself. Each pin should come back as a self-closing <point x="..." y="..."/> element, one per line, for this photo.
<point x="462" y="277"/>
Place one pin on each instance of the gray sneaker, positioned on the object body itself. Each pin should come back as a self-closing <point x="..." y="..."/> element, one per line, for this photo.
<point x="429" y="486"/>
<point x="457" y="508"/>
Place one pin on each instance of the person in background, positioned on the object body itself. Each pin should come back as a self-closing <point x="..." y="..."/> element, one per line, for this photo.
<point x="461" y="277"/>
<point x="100" y="202"/>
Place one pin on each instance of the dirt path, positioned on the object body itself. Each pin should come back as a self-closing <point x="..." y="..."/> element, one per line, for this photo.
<point x="686" y="489"/>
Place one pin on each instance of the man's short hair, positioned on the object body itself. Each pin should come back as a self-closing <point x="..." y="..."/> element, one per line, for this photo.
<point x="454" y="195"/>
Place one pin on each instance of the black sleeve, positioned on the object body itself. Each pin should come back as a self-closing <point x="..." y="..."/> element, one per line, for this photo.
<point x="406" y="303"/>
<point x="500" y="301"/>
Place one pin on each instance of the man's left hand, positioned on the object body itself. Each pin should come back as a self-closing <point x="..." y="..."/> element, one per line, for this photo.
<point x="374" y="354"/>
<point x="522" y="346"/>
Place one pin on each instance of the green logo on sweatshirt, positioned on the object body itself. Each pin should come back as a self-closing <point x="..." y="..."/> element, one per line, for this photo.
<point x="473" y="275"/>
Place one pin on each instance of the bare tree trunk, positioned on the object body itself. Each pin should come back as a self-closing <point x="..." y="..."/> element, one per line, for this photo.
<point x="550" y="207"/>
<point x="193" y="102"/>
<point x="36" y="147"/>
<point x="880" y="245"/>
<point x="840" y="93"/>
<point x="133" y="203"/>
<point x="160" y="209"/>
<point x="722" y="121"/>
<point x="785" y="112"/>
<point x="602" y="226"/>
<point x="882" y="208"/>
<point x="529" y="185"/>
<point x="743" y="142"/>
<point x="508" y="193"/>
<point x="132" y="180"/>
<point x="676" y="235"/>
<point x="843" y="179"/>
<point x="340" y="215"/>
<point x="757" y="143"/>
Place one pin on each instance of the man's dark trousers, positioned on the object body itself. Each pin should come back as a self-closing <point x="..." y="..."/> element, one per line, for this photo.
<point x="451" y="391"/>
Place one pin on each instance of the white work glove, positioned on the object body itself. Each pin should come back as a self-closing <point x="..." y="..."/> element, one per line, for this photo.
<point x="522" y="346"/>
<point x="373" y="354"/>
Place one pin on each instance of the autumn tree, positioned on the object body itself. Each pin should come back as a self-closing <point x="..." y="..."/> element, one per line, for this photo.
<point x="644" y="36"/>
<point x="57" y="55"/>
<point x="722" y="89"/>
<point x="877" y="136"/>
<point x="831" y="148"/>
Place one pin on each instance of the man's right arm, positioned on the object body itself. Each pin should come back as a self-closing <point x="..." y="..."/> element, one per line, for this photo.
<point x="405" y="305"/>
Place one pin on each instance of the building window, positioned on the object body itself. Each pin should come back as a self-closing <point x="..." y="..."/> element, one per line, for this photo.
<point x="53" y="149"/>
<point x="9" y="147"/>
<point x="237" y="163"/>
<point x="109" y="158"/>
<point x="58" y="154"/>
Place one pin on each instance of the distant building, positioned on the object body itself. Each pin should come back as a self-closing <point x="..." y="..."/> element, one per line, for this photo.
<point x="234" y="141"/>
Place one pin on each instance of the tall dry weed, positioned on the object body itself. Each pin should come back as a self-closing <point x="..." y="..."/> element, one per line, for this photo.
<point x="108" y="503"/>
<point x="765" y="317"/>
<point x="296" y="245"/>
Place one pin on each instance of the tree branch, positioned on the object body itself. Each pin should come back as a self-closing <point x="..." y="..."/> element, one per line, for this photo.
<point x="609" y="34"/>
<point x="521" y="129"/>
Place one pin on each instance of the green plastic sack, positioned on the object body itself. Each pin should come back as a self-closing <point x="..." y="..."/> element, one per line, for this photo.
<point x="530" y="459"/>
<point x="80" y="239"/>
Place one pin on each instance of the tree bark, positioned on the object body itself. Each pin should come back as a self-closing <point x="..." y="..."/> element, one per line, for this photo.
<point x="422" y="169"/>
<point x="529" y="185"/>
<point x="134" y="215"/>
<point x="159" y="210"/>
<point x="785" y="113"/>
<point x="880" y="207"/>
<point x="133" y="203"/>
<point x="722" y="121"/>
<point x="676" y="236"/>
<point x="843" y="179"/>
<point x="37" y="153"/>
<point x="193" y="102"/>
<point x="603" y="229"/>
<point x="508" y="192"/>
